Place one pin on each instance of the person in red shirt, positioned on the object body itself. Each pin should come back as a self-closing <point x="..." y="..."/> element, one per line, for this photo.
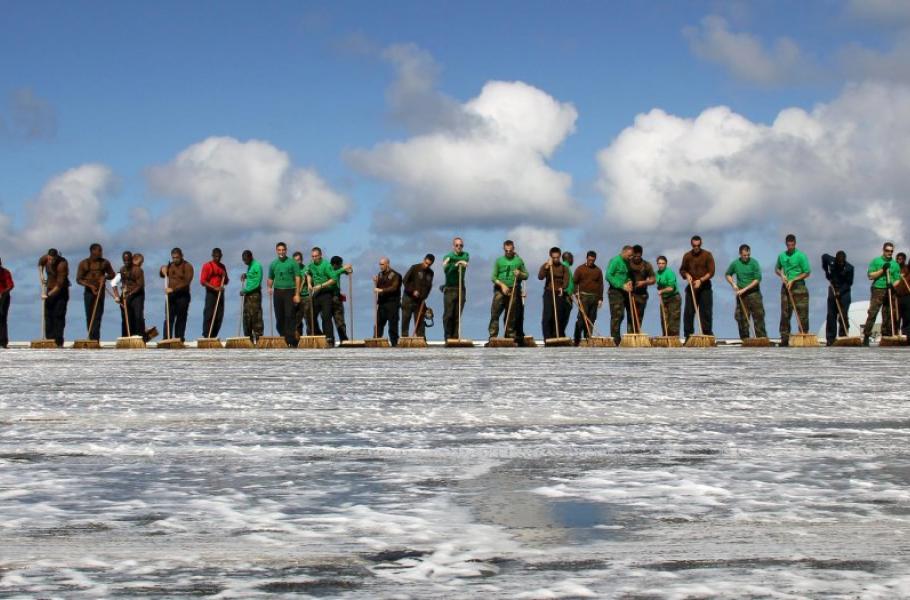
<point x="6" y="286"/>
<point x="213" y="278"/>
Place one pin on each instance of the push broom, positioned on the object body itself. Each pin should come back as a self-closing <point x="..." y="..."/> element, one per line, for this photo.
<point x="558" y="341"/>
<point x="636" y="339"/>
<point x="130" y="342"/>
<point x="699" y="340"/>
<point x="241" y="342"/>
<point x="846" y="339"/>
<point x="43" y="343"/>
<point x="665" y="340"/>
<point x="414" y="340"/>
<point x="208" y="342"/>
<point x="893" y="339"/>
<point x="506" y="342"/>
<point x="271" y="341"/>
<point x="593" y="340"/>
<point x="801" y="339"/>
<point x="376" y="341"/>
<point x="313" y="342"/>
<point x="459" y="342"/>
<point x="168" y="343"/>
<point x="753" y="341"/>
<point x="89" y="344"/>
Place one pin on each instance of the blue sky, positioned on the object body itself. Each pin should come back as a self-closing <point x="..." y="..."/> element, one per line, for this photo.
<point x="131" y="86"/>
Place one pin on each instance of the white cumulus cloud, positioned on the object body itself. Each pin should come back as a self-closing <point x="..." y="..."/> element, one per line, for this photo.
<point x="840" y="172"/>
<point x="242" y="189"/>
<point x="480" y="163"/>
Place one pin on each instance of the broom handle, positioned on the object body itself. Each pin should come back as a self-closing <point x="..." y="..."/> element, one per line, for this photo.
<point x="511" y="299"/>
<point x="271" y="310"/>
<point x="663" y="314"/>
<point x="840" y="310"/>
<point x="460" y="279"/>
<point x="351" y="299"/>
<point x="584" y="314"/>
<point x="212" y="323"/>
<point x="375" y="314"/>
<point x="312" y="313"/>
<point x="126" y="315"/>
<point x="43" y="284"/>
<point x="91" y="321"/>
<point x="746" y="313"/>
<point x="553" y="291"/>
<point x="167" y="310"/>
<point x="799" y="322"/>
<point x="695" y="304"/>
<point x="240" y="322"/>
<point x="890" y="301"/>
<point x="636" y="323"/>
<point x="418" y="316"/>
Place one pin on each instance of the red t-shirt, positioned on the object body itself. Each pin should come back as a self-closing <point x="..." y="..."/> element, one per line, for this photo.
<point x="6" y="280"/>
<point x="212" y="274"/>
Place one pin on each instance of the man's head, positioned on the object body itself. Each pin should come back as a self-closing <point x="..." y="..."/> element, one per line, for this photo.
<point x="177" y="255"/>
<point x="888" y="250"/>
<point x="790" y="241"/>
<point x="626" y="252"/>
<point x="569" y="258"/>
<point x="127" y="257"/>
<point x="695" y="241"/>
<point x="281" y="249"/>
<point x="637" y="251"/>
<point x="216" y="255"/>
<point x="661" y="262"/>
<point x="841" y="257"/>
<point x="590" y="258"/>
<point x="901" y="258"/>
<point x="745" y="252"/>
<point x="384" y="264"/>
<point x="298" y="256"/>
<point x="95" y="251"/>
<point x="508" y="248"/>
<point x="428" y="261"/>
<point x="53" y="253"/>
<point x="458" y="245"/>
<point x="555" y="255"/>
<point x="247" y="257"/>
<point x="316" y="254"/>
<point x="138" y="260"/>
<point x="336" y="262"/>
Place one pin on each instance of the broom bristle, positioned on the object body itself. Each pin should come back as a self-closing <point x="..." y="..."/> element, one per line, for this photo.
<point x="87" y="345"/>
<point x="313" y="342"/>
<point x="666" y="341"/>
<point x="353" y="344"/>
<point x="271" y="342"/>
<point x="635" y="340"/>
<point x="530" y="342"/>
<point x="43" y="344"/>
<point x="133" y="342"/>
<point x="171" y="344"/>
<point x="459" y="343"/>
<point x="412" y="342"/>
<point x="893" y="340"/>
<point x="756" y="342"/>
<point x="498" y="342"/>
<point x="598" y="342"/>
<point x="208" y="343"/>
<point x="848" y="341"/>
<point x="701" y="341"/>
<point x="239" y="343"/>
<point x="803" y="340"/>
<point x="557" y="342"/>
<point x="377" y="343"/>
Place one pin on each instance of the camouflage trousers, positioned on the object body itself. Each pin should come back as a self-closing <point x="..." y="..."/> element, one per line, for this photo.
<point x="338" y="318"/>
<point x="499" y="306"/>
<point x="252" y="315"/>
<point x="755" y="308"/>
<point x="303" y="312"/>
<point x="671" y="314"/>
<point x="619" y="307"/>
<point x="800" y="295"/>
<point x="878" y="300"/>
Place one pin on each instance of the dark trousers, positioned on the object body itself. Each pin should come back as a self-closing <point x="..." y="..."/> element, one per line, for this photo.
<point x="705" y="297"/>
<point x="322" y="309"/>
<point x="338" y="317"/>
<point x="548" y="322"/>
<point x="93" y="326"/>
<point x="4" y="313"/>
<point x="55" y="315"/>
<point x="587" y="308"/>
<point x="211" y="318"/>
<point x="833" y="325"/>
<point x="451" y="311"/>
<point x="387" y="313"/>
<point x="903" y="307"/>
<point x="410" y="310"/>
<point x="285" y="315"/>
<point x="179" y="307"/>
<point x="135" y="315"/>
<point x="252" y="315"/>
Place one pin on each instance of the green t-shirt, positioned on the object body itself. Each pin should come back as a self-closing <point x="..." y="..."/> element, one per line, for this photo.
<point x="302" y="269"/>
<point x="451" y="269"/>
<point x="570" y="289"/>
<point x="253" y="277"/>
<point x="504" y="270"/>
<point x="617" y="272"/>
<point x="746" y="272"/>
<point x="283" y="273"/>
<point x="335" y="288"/>
<point x="666" y="279"/>
<point x="793" y="265"/>
<point x="321" y="272"/>
<point x="882" y="282"/>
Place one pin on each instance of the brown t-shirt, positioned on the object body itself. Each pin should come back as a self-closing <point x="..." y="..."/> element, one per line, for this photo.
<point x="179" y="277"/>
<point x="640" y="272"/>
<point x="560" y="276"/>
<point x="92" y="272"/>
<point x="590" y="280"/>
<point x="900" y="288"/>
<point x="697" y="265"/>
